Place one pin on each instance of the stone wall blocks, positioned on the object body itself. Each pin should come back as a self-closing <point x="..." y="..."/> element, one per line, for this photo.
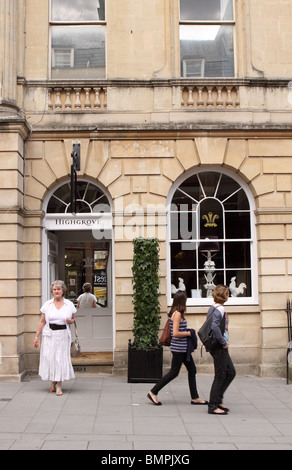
<point x="35" y="149"/>
<point x="236" y="153"/>
<point x="96" y="158"/>
<point x="111" y="172"/>
<point x="280" y="165"/>
<point x="211" y="151"/>
<point x="159" y="185"/>
<point x="34" y="188"/>
<point x="186" y="152"/>
<point x="142" y="166"/>
<point x="43" y="173"/>
<point x="274" y="199"/>
<point x="270" y="148"/>
<point x="57" y="158"/>
<point x="250" y="169"/>
<point x="263" y="184"/>
<point x="172" y="169"/>
<point x="142" y="149"/>
<point x="120" y="187"/>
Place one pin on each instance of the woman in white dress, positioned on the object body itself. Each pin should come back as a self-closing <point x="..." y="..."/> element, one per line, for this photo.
<point x="55" y="359"/>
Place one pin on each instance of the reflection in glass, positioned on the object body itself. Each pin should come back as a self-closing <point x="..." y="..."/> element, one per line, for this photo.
<point x="210" y="44"/>
<point x="78" y="10"/>
<point x="78" y="51"/>
<point x="206" y="10"/>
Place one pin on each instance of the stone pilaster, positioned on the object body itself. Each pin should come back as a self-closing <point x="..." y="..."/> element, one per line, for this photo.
<point x="13" y="133"/>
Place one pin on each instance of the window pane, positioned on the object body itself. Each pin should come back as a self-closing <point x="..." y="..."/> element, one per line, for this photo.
<point x="206" y="10"/>
<point x="183" y="225"/>
<point x="238" y="201"/>
<point x="185" y="280"/>
<point x="209" y="181"/>
<point x="237" y="224"/>
<point x="226" y="188"/>
<point x="78" y="52"/>
<point x="212" y="45"/>
<point x="192" y="187"/>
<point x="207" y="281"/>
<point x="78" y="10"/>
<point x="239" y="283"/>
<point x="209" y="250"/>
<point x="237" y="255"/>
<point x="183" y="256"/>
<point x="211" y="219"/>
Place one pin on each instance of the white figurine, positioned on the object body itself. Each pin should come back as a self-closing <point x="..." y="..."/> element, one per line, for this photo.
<point x="181" y="286"/>
<point x="235" y="291"/>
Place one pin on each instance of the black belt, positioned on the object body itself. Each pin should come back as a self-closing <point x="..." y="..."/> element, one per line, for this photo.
<point x="53" y="326"/>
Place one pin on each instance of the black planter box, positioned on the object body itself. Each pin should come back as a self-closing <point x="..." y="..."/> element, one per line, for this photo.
<point x="144" y="366"/>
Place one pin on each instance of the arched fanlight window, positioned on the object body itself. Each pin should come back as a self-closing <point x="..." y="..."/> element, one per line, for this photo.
<point x="211" y="238"/>
<point x="88" y="197"/>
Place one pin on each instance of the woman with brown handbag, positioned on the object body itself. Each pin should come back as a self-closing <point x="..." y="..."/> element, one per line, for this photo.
<point x="178" y="347"/>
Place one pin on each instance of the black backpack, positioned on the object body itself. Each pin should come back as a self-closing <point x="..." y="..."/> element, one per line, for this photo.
<point x="205" y="333"/>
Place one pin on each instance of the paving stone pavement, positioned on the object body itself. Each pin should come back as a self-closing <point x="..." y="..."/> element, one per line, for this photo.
<point x="106" y="413"/>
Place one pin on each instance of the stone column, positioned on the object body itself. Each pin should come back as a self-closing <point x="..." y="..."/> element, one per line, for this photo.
<point x="13" y="133"/>
<point x="8" y="48"/>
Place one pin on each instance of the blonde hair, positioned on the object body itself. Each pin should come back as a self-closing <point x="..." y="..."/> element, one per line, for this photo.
<point x="59" y="284"/>
<point x="221" y="294"/>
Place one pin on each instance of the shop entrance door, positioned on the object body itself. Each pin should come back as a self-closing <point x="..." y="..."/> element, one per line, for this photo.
<point x="82" y="259"/>
<point x="77" y="248"/>
<point x="90" y="262"/>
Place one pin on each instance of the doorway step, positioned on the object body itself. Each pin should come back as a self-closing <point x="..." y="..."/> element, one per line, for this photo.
<point x="94" y="362"/>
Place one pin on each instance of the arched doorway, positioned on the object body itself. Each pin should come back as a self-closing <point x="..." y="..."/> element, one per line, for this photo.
<point x="77" y="248"/>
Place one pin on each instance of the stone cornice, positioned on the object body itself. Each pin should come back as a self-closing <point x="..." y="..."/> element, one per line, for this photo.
<point x="152" y="82"/>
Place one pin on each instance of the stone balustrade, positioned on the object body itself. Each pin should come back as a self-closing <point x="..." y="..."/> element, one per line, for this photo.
<point x="70" y="98"/>
<point x="210" y="96"/>
<point x="118" y="96"/>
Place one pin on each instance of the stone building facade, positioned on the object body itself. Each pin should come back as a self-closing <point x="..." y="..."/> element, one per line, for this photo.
<point x="159" y="126"/>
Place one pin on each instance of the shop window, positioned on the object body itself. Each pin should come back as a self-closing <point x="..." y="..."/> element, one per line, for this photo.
<point x="77" y="39"/>
<point x="207" y="37"/>
<point x="212" y="238"/>
<point x="88" y="198"/>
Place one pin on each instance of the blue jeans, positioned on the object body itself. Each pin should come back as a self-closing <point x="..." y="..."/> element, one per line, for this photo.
<point x="224" y="374"/>
<point x="177" y="360"/>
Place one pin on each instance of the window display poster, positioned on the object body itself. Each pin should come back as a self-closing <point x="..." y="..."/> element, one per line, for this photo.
<point x="100" y="277"/>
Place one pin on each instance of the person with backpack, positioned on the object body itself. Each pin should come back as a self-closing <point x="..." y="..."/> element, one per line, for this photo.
<point x="223" y="365"/>
<point x="181" y="349"/>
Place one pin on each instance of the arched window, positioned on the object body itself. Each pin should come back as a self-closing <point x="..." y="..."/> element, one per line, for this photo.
<point x="211" y="238"/>
<point x="88" y="198"/>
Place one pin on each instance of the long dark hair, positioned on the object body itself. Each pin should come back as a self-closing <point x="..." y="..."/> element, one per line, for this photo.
<point x="179" y="303"/>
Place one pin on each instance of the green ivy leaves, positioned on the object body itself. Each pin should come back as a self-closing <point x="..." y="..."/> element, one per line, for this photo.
<point x="146" y="293"/>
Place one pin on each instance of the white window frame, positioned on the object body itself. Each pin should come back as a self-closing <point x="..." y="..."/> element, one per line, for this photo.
<point x="207" y="23"/>
<point x="253" y="300"/>
<point x="52" y="22"/>
<point x="187" y="62"/>
<point x="63" y="51"/>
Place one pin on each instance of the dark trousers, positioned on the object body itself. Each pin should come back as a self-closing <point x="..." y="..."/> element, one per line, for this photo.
<point x="177" y="360"/>
<point x="224" y="374"/>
